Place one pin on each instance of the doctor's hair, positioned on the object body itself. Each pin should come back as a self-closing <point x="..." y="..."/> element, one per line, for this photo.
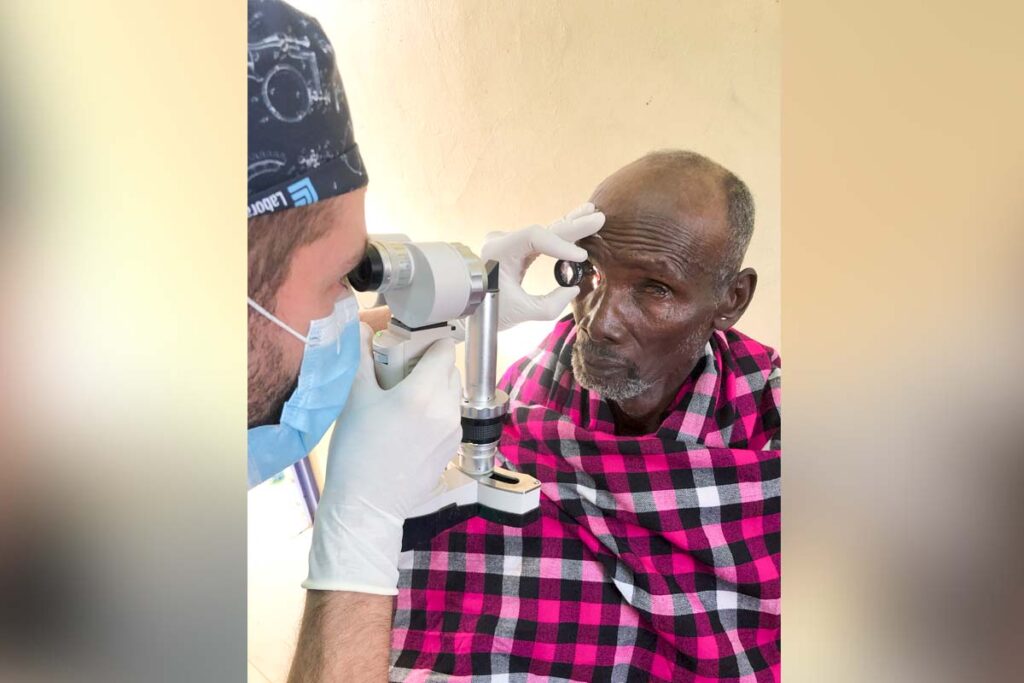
<point x="273" y="237"/>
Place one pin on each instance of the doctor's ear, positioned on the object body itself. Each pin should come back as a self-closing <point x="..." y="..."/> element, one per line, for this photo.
<point x="735" y="300"/>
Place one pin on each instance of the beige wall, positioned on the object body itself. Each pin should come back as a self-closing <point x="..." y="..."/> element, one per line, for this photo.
<point x="475" y="116"/>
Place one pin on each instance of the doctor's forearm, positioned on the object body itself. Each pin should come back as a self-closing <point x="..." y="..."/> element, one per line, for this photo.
<point x="344" y="637"/>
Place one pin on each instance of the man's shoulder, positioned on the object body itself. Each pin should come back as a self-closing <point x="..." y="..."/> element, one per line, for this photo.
<point x="748" y="351"/>
<point x="757" y="373"/>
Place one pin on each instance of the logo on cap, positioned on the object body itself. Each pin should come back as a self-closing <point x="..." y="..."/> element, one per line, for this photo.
<point x="302" y="193"/>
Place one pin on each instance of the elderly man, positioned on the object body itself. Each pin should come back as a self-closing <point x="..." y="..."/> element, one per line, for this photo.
<point x="653" y="426"/>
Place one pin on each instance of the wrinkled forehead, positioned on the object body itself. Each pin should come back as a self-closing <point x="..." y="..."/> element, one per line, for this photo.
<point x="681" y="219"/>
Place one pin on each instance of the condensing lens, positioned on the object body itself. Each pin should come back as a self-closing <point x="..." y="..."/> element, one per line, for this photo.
<point x="568" y="273"/>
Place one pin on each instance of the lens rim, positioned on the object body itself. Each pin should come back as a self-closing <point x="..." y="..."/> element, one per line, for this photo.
<point x="577" y="273"/>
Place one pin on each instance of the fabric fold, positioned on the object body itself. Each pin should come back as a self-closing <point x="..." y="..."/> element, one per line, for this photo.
<point x="656" y="557"/>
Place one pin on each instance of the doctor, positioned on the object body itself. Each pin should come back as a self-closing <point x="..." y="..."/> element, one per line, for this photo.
<point x="309" y="360"/>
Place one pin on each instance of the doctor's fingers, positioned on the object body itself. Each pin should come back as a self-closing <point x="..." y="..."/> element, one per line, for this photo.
<point x="549" y="242"/>
<point x="550" y="305"/>
<point x="504" y="245"/>
<point x="431" y="372"/>
<point x="365" y="381"/>
<point x="576" y="229"/>
<point x="581" y="210"/>
<point x="455" y="383"/>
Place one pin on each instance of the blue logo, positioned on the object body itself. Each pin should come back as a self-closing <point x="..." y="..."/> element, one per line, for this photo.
<point x="302" y="193"/>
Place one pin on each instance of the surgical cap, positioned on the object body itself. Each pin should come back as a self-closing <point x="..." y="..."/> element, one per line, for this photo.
<point x="302" y="148"/>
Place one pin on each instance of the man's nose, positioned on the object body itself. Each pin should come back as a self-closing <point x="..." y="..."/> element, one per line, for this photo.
<point x="603" y="322"/>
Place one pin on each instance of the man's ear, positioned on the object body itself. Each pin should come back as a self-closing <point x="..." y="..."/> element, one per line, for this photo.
<point x="737" y="298"/>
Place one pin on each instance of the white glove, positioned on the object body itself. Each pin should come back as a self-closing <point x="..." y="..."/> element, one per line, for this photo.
<point x="515" y="251"/>
<point x="388" y="449"/>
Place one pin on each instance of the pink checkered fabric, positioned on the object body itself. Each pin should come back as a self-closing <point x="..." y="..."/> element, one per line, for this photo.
<point x="656" y="558"/>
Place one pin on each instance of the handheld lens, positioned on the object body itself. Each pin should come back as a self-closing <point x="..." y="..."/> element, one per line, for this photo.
<point x="568" y="273"/>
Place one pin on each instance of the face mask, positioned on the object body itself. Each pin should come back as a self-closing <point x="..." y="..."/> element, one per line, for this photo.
<point x="329" y="365"/>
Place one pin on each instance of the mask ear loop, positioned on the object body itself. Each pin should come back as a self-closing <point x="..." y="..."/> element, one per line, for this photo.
<point x="358" y="307"/>
<point x="277" y="321"/>
<point x="352" y="293"/>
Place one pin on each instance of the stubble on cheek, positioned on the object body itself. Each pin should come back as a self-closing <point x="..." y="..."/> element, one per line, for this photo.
<point x="270" y="381"/>
<point x="692" y="346"/>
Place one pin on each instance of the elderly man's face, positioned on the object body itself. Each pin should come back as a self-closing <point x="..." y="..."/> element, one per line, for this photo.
<point x="648" y="302"/>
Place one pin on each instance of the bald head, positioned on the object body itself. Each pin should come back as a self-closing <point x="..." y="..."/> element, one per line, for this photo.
<point x="700" y="207"/>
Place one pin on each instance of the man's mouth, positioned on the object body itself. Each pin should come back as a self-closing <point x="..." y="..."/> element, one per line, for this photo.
<point x="600" y="363"/>
<point x="600" y="360"/>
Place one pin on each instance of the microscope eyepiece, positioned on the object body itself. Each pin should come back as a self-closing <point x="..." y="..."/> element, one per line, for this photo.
<point x="568" y="273"/>
<point x="387" y="265"/>
<point x="368" y="276"/>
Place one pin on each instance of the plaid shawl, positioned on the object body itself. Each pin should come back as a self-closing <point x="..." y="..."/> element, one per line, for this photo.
<point x="656" y="558"/>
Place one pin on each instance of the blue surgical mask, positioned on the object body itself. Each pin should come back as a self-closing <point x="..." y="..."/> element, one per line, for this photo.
<point x="329" y="365"/>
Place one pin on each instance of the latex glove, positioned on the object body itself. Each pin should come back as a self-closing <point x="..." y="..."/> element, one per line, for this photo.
<point x="388" y="449"/>
<point x="516" y="251"/>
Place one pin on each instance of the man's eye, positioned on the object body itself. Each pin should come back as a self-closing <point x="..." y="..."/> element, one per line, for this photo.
<point x="656" y="289"/>
<point x="591" y="274"/>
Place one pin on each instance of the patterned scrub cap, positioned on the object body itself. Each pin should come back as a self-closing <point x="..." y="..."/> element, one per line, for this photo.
<point x="302" y="148"/>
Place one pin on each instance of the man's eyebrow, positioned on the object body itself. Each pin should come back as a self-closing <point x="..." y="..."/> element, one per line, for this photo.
<point x="680" y="268"/>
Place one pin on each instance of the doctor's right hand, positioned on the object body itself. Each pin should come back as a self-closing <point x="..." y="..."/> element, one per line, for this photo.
<point x="388" y="449"/>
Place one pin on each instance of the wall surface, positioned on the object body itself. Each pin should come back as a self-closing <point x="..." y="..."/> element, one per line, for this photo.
<point x="485" y="115"/>
<point x="482" y="115"/>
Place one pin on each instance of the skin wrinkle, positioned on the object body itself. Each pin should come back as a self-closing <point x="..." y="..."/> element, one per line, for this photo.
<point x="656" y="298"/>
<point x="658" y="241"/>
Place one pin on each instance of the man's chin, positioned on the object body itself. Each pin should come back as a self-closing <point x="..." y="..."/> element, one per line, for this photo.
<point x="614" y="392"/>
<point x="611" y="384"/>
<point x="592" y="381"/>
